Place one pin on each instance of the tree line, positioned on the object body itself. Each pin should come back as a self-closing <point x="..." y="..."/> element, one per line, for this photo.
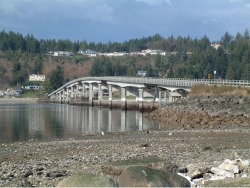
<point x="186" y="57"/>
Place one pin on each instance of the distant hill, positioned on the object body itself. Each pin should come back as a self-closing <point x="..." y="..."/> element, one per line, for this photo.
<point x="185" y="57"/>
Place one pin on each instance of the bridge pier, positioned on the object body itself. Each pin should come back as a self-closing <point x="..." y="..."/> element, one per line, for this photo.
<point x="60" y="97"/>
<point x="159" y="96"/>
<point x="64" y="95"/>
<point x="140" y="100"/>
<point x="67" y="95"/>
<point x="91" y="93"/>
<point x="83" y="90"/>
<point x="71" y="92"/>
<point x="100" y="94"/>
<point x="110" y="96"/>
<point x="123" y="98"/>
<point x="77" y="91"/>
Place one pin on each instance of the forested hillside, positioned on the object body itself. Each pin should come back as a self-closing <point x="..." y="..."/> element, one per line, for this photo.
<point x="186" y="58"/>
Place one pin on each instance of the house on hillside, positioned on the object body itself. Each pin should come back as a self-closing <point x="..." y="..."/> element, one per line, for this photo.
<point x="36" y="78"/>
<point x="63" y="53"/>
<point x="141" y="73"/>
<point x="88" y="52"/>
<point x="215" y="45"/>
<point x="153" y="52"/>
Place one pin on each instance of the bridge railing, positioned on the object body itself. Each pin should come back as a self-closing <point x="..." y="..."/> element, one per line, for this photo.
<point x="175" y="82"/>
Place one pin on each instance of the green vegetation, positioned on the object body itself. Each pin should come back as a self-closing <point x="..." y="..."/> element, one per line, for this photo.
<point x="204" y="90"/>
<point x="31" y="94"/>
<point x="56" y="79"/>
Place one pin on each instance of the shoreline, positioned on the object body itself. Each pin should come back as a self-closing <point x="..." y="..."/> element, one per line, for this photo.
<point x="18" y="100"/>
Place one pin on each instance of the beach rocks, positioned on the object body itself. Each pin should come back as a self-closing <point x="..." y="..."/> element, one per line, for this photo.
<point x="206" y="112"/>
<point x="87" y="180"/>
<point x="227" y="169"/>
<point x="139" y="176"/>
<point x="183" y="151"/>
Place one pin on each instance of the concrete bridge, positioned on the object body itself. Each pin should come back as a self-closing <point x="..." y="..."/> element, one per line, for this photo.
<point x="105" y="91"/>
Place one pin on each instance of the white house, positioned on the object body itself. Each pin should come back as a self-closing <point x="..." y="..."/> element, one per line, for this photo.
<point x="215" y="45"/>
<point x="88" y="52"/>
<point x="39" y="78"/>
<point x="154" y="52"/>
<point x="63" y="53"/>
<point x="141" y="73"/>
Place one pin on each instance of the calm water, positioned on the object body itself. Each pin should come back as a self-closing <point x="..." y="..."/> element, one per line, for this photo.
<point x="22" y="122"/>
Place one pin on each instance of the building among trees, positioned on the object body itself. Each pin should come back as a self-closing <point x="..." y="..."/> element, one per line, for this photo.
<point x="36" y="78"/>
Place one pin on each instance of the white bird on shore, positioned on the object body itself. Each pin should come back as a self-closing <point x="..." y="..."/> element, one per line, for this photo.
<point x="102" y="133"/>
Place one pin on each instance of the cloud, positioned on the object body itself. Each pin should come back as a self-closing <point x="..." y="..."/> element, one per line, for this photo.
<point x="155" y="2"/>
<point x="244" y="3"/>
<point x="213" y="20"/>
<point x="105" y="20"/>
<point x="101" y="12"/>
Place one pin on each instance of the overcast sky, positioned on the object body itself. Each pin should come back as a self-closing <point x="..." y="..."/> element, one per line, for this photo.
<point x="121" y="20"/>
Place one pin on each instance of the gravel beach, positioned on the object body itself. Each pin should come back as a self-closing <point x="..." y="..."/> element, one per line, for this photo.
<point x="36" y="163"/>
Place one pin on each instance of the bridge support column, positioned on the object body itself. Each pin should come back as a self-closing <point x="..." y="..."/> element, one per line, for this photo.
<point x="83" y="90"/>
<point x="170" y="98"/>
<point x="165" y="97"/>
<point x="90" y="120"/>
<point x="140" y="100"/>
<point x="63" y="96"/>
<point x="71" y="92"/>
<point x="123" y="120"/>
<point x="123" y="99"/>
<point x="160" y="97"/>
<point x="67" y="95"/>
<point x="77" y="91"/>
<point x="100" y="94"/>
<point x="110" y="96"/>
<point x="60" y="97"/>
<point x="110" y="121"/>
<point x="91" y="94"/>
<point x="57" y="97"/>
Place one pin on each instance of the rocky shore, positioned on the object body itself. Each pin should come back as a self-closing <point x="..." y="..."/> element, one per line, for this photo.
<point x="192" y="149"/>
<point x="206" y="112"/>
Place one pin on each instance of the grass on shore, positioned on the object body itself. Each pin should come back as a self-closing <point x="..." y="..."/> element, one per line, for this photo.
<point x="31" y="94"/>
<point x="214" y="90"/>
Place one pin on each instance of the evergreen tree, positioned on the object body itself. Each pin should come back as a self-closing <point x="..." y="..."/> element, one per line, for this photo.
<point x="56" y="78"/>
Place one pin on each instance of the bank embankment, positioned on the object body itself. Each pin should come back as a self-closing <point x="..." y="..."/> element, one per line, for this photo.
<point x="206" y="112"/>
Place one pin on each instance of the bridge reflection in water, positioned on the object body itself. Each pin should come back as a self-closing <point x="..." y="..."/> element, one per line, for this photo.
<point x="21" y="122"/>
<point x="94" y="120"/>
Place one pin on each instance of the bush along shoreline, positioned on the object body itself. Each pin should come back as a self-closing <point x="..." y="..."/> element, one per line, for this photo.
<point x="206" y="112"/>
